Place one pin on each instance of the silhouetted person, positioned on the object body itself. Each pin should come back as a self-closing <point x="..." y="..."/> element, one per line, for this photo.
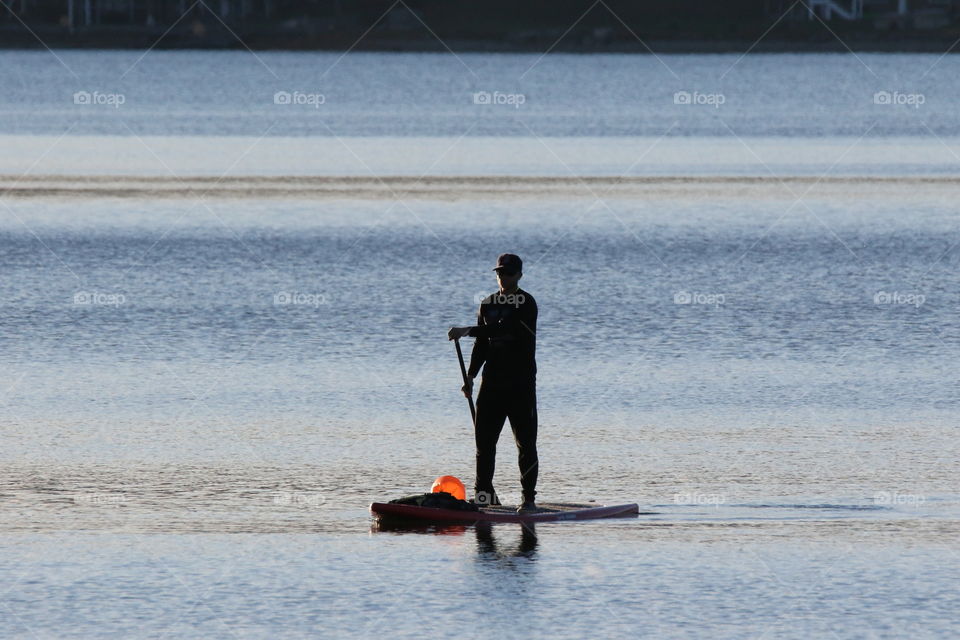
<point x="506" y="334"/>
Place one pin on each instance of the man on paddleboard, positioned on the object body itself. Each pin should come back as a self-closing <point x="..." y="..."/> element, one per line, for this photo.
<point x="506" y="334"/>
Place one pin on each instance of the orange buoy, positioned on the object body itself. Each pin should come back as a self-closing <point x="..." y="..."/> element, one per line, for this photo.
<point x="451" y="485"/>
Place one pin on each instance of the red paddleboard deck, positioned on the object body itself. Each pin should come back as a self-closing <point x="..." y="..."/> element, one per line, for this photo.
<point x="547" y="512"/>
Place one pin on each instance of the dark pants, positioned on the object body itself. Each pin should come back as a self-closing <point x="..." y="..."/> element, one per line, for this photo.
<point x="494" y="405"/>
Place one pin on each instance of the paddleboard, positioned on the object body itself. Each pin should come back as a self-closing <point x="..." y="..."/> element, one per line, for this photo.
<point x="547" y="512"/>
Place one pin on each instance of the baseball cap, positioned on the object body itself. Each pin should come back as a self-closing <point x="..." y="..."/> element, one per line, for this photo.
<point x="509" y="262"/>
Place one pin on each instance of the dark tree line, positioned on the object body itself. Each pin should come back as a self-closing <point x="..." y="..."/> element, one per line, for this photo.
<point x="587" y="24"/>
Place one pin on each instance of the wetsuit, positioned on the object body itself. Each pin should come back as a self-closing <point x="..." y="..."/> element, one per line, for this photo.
<point x="506" y="334"/>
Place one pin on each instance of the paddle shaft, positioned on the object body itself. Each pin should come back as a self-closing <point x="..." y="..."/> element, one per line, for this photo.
<point x="463" y="372"/>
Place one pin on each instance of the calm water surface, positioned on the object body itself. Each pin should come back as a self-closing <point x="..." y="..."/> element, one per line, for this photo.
<point x="203" y="389"/>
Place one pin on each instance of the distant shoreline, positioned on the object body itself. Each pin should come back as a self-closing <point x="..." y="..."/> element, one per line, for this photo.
<point x="143" y="38"/>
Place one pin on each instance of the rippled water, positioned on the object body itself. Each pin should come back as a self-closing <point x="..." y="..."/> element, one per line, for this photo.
<point x="791" y="435"/>
<point x="206" y="382"/>
<point x="375" y="94"/>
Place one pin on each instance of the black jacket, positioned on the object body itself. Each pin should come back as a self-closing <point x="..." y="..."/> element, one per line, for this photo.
<point x="506" y="334"/>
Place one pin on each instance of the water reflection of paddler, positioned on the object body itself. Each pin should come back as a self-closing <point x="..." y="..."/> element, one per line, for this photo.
<point x="487" y="543"/>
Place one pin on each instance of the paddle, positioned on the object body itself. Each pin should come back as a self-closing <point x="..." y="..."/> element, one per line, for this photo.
<point x="463" y="372"/>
